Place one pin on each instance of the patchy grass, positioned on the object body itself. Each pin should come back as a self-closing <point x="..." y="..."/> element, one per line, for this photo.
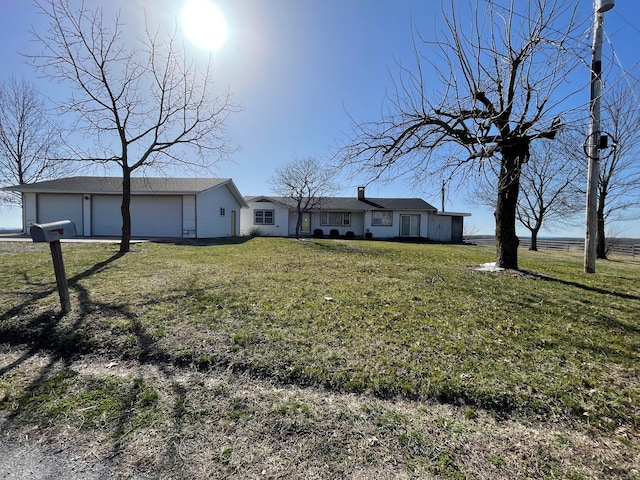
<point x="379" y="358"/>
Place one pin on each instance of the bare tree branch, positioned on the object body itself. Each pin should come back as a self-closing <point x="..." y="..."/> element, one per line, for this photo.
<point x="145" y="105"/>
<point x="619" y="182"/>
<point x="305" y="182"/>
<point x="28" y="139"/>
<point x="500" y="65"/>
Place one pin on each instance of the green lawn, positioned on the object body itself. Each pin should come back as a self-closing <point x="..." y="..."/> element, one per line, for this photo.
<point x="393" y="321"/>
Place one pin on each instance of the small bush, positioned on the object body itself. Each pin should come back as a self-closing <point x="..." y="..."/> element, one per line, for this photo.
<point x="318" y="233"/>
<point x="334" y="233"/>
<point x="368" y="235"/>
<point x="350" y="235"/>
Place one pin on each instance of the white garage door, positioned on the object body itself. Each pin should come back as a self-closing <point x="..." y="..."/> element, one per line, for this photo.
<point x="53" y="207"/>
<point x="105" y="215"/>
<point x="151" y="216"/>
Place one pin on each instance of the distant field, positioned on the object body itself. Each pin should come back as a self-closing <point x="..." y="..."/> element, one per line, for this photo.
<point x="326" y="359"/>
<point x="617" y="246"/>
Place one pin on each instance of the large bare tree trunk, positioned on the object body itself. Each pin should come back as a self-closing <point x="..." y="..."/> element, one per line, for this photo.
<point x="505" y="214"/>
<point x="125" y="209"/>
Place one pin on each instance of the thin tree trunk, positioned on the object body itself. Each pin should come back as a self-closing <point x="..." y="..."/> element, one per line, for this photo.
<point x="601" y="239"/>
<point x="298" y="224"/>
<point x="125" y="209"/>
<point x="534" y="240"/>
<point x="505" y="214"/>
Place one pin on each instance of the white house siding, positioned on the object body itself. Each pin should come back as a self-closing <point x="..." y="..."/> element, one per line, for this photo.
<point x="281" y="220"/>
<point x="29" y="210"/>
<point x="53" y="207"/>
<point x="356" y="226"/>
<point x="293" y="219"/>
<point x="392" y="231"/>
<point x="440" y="228"/>
<point x="383" y="231"/>
<point x="211" y="222"/>
<point x="189" y="216"/>
<point x="151" y="216"/>
<point x="85" y="228"/>
<point x="357" y="223"/>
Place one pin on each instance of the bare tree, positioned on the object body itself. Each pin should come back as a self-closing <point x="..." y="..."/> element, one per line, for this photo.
<point x="28" y="139"/>
<point x="619" y="182"/>
<point x="551" y="185"/>
<point x="549" y="191"/>
<point x="305" y="182"/>
<point x="141" y="102"/>
<point x="500" y="66"/>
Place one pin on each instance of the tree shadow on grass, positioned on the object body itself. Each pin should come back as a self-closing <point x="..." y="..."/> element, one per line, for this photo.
<point x="45" y="332"/>
<point x="204" y="242"/>
<point x="62" y="339"/>
<point x="582" y="286"/>
<point x="608" y="321"/>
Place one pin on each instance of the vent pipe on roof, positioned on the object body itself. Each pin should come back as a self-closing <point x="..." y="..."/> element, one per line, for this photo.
<point x="360" y="193"/>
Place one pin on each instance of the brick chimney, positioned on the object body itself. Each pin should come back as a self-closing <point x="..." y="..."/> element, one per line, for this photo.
<point x="360" y="193"/>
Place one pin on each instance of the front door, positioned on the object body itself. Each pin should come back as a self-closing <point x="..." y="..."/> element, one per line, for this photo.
<point x="305" y="226"/>
<point x="409" y="225"/>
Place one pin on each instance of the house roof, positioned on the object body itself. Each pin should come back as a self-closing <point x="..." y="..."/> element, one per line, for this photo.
<point x="139" y="186"/>
<point x="113" y="185"/>
<point x="354" y="204"/>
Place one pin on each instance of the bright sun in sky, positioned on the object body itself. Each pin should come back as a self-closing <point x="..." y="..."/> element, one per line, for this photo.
<point x="204" y="24"/>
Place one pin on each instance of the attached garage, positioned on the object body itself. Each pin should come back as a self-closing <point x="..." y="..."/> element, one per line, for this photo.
<point x="105" y="215"/>
<point x="160" y="207"/>
<point x="151" y="216"/>
<point x="157" y="216"/>
<point x="53" y="207"/>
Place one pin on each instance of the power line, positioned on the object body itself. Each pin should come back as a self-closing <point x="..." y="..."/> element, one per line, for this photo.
<point x="624" y="19"/>
<point x="586" y="21"/>
<point x="625" y="74"/>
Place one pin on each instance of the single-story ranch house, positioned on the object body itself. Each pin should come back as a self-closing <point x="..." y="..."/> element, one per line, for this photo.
<point x="160" y="207"/>
<point x="364" y="217"/>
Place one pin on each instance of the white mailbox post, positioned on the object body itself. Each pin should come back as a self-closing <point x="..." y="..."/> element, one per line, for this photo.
<point x="52" y="233"/>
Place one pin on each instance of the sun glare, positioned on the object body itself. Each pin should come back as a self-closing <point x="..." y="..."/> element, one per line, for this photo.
<point x="204" y="24"/>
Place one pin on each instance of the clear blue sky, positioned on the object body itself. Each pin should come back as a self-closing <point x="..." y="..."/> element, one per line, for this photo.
<point x="298" y="66"/>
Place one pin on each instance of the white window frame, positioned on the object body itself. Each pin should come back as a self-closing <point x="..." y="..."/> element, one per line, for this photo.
<point x="327" y="221"/>
<point x="378" y="218"/>
<point x="260" y="217"/>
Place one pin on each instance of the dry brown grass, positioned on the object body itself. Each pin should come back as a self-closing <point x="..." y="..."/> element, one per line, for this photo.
<point x="221" y="425"/>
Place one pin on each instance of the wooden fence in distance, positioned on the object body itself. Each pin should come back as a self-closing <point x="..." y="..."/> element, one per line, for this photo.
<point x="615" y="246"/>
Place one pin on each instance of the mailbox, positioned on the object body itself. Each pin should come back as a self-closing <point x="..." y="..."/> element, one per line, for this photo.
<point x="54" y="231"/>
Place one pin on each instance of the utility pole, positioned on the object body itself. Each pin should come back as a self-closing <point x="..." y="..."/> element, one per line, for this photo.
<point x="600" y="7"/>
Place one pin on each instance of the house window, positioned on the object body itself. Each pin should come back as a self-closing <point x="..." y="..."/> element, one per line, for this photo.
<point x="335" y="218"/>
<point x="382" y="219"/>
<point x="222" y="212"/>
<point x="263" y="217"/>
